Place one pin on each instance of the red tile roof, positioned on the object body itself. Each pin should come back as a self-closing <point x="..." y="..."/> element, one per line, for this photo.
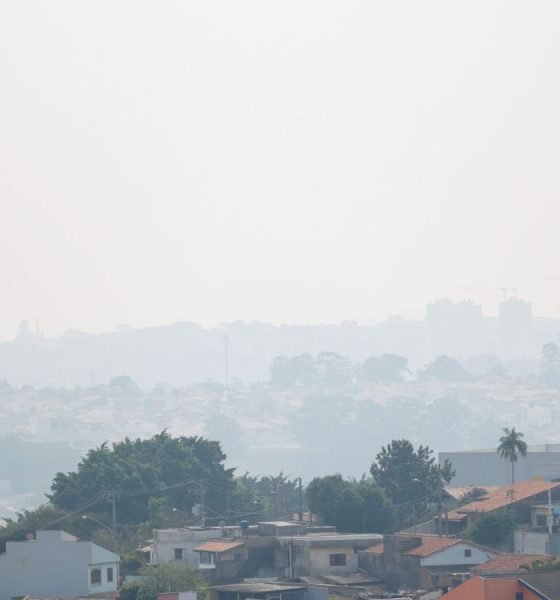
<point x="507" y="563"/>
<point x="431" y="545"/>
<point x="506" y="494"/>
<point x="377" y="549"/>
<point x="218" y="547"/>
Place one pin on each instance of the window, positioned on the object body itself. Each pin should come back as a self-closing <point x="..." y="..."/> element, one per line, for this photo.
<point x="178" y="553"/>
<point x="468" y="553"/>
<point x="518" y="595"/>
<point x="337" y="560"/>
<point x="541" y="521"/>
<point x="110" y="574"/>
<point x="95" y="577"/>
<point x="207" y="558"/>
<point x="435" y="579"/>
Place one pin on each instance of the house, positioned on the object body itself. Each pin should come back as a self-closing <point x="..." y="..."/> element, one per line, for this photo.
<point x="506" y="563"/>
<point x="56" y="564"/>
<point x="177" y="545"/>
<point x="529" y="586"/>
<point x="223" y="559"/>
<point x="320" y="553"/>
<point x="519" y="497"/>
<point x="269" y="549"/>
<point x="427" y="562"/>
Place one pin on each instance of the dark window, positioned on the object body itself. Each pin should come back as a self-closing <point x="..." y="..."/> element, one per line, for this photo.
<point x="468" y="553"/>
<point x="95" y="576"/>
<point x="337" y="560"/>
<point x="435" y="579"/>
<point x="237" y="556"/>
<point x="206" y="558"/>
<point x="518" y="595"/>
<point x="178" y="553"/>
<point x="541" y="521"/>
<point x="110" y="574"/>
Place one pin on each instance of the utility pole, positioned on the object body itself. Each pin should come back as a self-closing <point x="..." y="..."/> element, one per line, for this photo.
<point x="202" y="515"/>
<point x="282" y="511"/>
<point x="113" y="500"/>
<point x="440" y="524"/>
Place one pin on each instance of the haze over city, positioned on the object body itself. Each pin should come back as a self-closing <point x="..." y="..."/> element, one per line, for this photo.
<point x="276" y="163"/>
<point x="280" y="309"/>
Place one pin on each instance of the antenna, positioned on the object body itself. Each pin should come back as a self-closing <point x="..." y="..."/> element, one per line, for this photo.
<point x="226" y="364"/>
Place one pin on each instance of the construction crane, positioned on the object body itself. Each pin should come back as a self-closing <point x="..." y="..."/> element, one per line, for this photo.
<point x="504" y="290"/>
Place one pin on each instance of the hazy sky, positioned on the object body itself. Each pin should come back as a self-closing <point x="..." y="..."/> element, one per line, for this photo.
<point x="284" y="161"/>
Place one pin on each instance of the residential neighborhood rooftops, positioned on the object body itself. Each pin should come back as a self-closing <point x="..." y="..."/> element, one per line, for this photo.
<point x="218" y="547"/>
<point x="507" y="563"/>
<point x="506" y="494"/>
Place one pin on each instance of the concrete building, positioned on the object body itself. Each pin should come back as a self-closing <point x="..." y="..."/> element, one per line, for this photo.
<point x="485" y="467"/>
<point x="321" y="554"/>
<point x="177" y="545"/>
<point x="56" y="564"/>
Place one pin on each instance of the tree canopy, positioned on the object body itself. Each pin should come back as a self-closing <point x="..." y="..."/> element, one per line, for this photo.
<point x="512" y="446"/>
<point x="407" y="474"/>
<point x="492" y="528"/>
<point x="135" y="470"/>
<point x="350" y="505"/>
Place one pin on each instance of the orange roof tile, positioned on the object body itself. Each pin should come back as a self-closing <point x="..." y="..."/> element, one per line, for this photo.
<point x="218" y="547"/>
<point x="507" y="494"/>
<point x="377" y="549"/>
<point x="431" y="545"/>
<point x="508" y="563"/>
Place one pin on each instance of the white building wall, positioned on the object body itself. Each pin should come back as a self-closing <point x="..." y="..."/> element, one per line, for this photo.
<point x="54" y="564"/>
<point x="455" y="555"/>
<point x="167" y="540"/>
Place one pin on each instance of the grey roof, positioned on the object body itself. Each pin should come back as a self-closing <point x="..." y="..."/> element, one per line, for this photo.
<point x="546" y="583"/>
<point x="256" y="588"/>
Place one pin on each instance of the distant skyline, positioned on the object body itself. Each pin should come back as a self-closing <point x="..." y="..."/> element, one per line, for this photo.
<point x="300" y="162"/>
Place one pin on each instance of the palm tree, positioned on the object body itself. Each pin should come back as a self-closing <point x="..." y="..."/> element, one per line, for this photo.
<point x="511" y="447"/>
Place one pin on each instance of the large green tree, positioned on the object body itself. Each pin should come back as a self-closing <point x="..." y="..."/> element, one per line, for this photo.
<point x="406" y="474"/>
<point x="350" y="505"/>
<point x="176" y="470"/>
<point x="511" y="446"/>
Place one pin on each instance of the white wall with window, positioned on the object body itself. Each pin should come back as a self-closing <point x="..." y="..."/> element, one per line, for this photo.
<point x="56" y="564"/>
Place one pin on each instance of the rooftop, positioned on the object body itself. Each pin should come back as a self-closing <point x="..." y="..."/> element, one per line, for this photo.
<point x="506" y="495"/>
<point x="218" y="547"/>
<point x="256" y="588"/>
<point x="547" y="583"/>
<point x="507" y="563"/>
<point x="431" y="545"/>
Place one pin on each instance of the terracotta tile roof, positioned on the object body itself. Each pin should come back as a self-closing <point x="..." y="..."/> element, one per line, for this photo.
<point x="377" y="549"/>
<point x="503" y="496"/>
<point x="218" y="547"/>
<point x="459" y="492"/>
<point x="507" y="563"/>
<point x="431" y="545"/>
